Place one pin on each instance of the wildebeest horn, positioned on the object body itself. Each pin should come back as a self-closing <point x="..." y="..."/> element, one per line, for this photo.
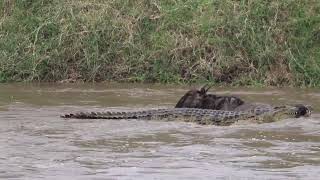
<point x="206" y="87"/>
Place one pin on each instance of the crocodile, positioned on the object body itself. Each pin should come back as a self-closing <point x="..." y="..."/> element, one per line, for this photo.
<point x="203" y="108"/>
<point x="260" y="113"/>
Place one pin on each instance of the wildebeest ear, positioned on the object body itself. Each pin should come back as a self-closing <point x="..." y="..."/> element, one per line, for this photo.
<point x="209" y="87"/>
<point x="204" y="89"/>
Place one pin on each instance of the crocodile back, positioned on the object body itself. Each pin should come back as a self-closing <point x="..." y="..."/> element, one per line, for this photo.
<point x="255" y="108"/>
<point x="201" y="116"/>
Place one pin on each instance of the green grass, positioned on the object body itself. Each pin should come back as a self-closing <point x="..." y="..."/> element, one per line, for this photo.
<point x="239" y="42"/>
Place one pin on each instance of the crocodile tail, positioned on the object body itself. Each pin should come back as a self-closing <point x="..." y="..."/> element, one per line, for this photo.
<point x="105" y="115"/>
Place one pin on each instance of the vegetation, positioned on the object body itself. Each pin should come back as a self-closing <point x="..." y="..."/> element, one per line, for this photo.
<point x="242" y="42"/>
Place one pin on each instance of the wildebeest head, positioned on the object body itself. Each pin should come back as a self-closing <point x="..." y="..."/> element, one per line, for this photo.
<point x="201" y="99"/>
<point x="193" y="98"/>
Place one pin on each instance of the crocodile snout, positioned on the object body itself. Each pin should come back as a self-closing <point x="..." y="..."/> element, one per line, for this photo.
<point x="302" y="110"/>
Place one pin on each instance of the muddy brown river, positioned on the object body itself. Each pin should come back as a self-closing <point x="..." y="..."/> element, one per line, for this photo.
<point x="35" y="143"/>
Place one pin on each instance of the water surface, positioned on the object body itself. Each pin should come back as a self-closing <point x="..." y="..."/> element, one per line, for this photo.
<point x="36" y="144"/>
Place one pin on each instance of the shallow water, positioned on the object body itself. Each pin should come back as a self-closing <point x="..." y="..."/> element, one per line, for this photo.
<point x="36" y="144"/>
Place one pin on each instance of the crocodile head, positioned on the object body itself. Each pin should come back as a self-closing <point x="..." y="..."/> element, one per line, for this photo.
<point x="285" y="112"/>
<point x="300" y="110"/>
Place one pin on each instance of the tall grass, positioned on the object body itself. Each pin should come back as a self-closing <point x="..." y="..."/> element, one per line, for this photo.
<point x="242" y="42"/>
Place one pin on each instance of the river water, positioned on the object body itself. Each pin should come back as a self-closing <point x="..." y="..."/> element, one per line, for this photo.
<point x="35" y="143"/>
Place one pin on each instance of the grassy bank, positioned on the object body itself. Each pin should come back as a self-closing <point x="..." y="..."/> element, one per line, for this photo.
<point x="246" y="42"/>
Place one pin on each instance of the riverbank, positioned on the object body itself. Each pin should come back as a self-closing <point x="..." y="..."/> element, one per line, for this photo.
<point x="235" y="42"/>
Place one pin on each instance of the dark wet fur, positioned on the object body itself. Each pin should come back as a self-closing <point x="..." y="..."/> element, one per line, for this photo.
<point x="192" y="99"/>
<point x="201" y="99"/>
